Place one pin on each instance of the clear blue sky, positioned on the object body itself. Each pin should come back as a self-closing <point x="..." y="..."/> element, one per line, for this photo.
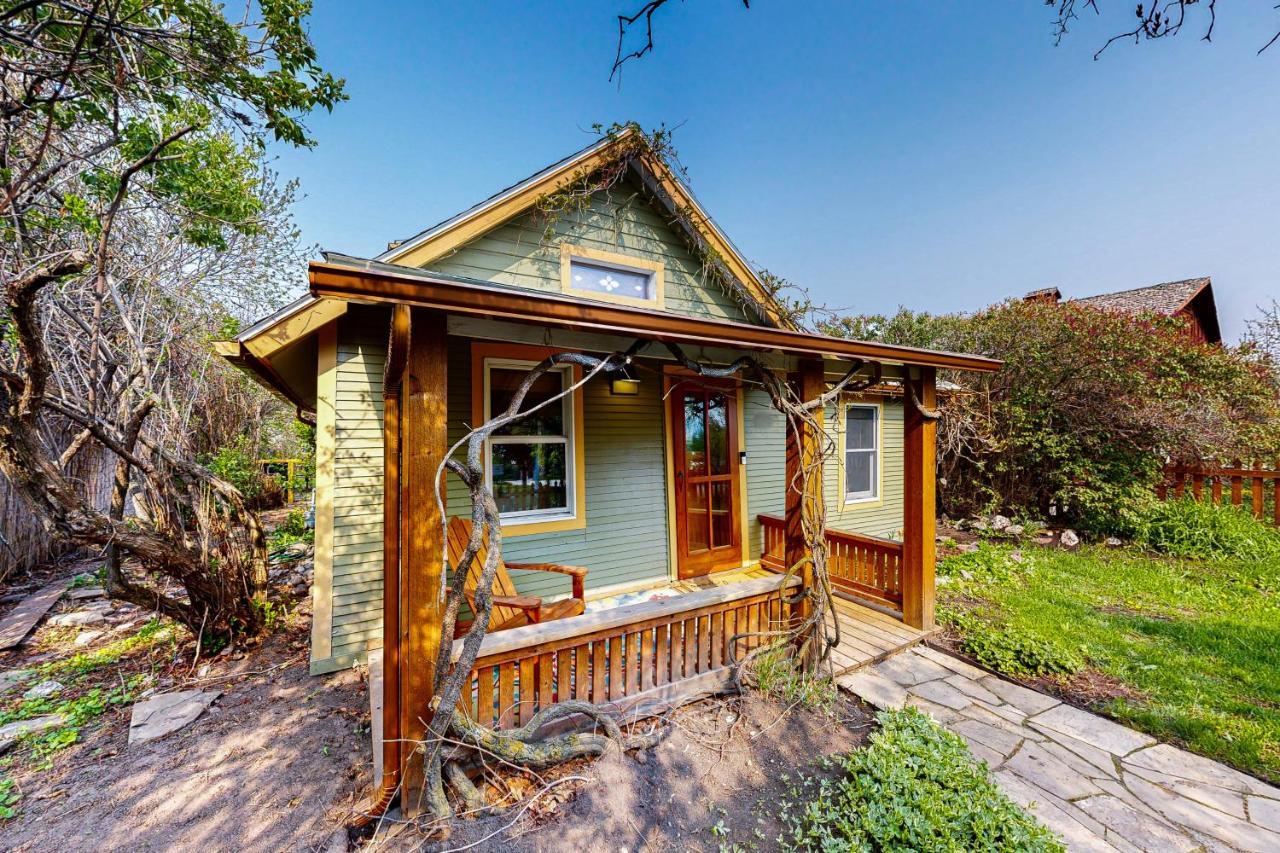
<point x="941" y="156"/>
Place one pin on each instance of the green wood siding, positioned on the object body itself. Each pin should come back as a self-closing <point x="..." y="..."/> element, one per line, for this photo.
<point x="620" y="220"/>
<point x="356" y="590"/>
<point x="625" y="539"/>
<point x="767" y="474"/>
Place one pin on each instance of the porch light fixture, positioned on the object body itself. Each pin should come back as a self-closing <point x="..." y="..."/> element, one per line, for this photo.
<point x="625" y="385"/>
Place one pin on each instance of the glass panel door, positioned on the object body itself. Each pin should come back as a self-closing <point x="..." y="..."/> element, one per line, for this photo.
<point x="706" y="451"/>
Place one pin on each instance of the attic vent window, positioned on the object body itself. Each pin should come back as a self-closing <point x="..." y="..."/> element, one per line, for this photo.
<point x="611" y="277"/>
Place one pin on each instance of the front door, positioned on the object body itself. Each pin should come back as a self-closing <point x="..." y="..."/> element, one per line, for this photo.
<point x="704" y="427"/>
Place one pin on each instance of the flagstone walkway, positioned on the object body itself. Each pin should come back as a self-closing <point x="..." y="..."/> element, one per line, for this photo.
<point x="1099" y="785"/>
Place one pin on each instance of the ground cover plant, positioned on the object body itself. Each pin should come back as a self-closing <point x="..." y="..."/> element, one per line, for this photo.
<point x="914" y="787"/>
<point x="1187" y="645"/>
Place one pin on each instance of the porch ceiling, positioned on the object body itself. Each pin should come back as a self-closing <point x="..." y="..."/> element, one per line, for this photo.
<point x="356" y="279"/>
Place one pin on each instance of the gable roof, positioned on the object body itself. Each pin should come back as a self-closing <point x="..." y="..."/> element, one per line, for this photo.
<point x="1167" y="298"/>
<point x="655" y="175"/>
<point x="1190" y="295"/>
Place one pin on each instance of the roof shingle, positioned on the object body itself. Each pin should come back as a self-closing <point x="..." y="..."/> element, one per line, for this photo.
<point x="1167" y="298"/>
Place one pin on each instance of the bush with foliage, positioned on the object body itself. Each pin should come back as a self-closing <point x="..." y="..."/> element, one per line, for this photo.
<point x="914" y="787"/>
<point x="238" y="465"/>
<point x="1087" y="407"/>
<point x="1189" y="528"/>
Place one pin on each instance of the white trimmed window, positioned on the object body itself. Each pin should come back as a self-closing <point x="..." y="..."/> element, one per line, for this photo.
<point x="529" y="463"/>
<point x="861" y="452"/>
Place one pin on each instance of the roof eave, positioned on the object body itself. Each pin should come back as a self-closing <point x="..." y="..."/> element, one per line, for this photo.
<point x="342" y="281"/>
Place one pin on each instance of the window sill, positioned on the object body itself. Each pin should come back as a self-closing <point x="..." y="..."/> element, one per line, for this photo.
<point x="861" y="503"/>
<point x="553" y="524"/>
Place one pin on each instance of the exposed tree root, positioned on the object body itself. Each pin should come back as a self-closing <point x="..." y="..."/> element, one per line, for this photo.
<point x="537" y="744"/>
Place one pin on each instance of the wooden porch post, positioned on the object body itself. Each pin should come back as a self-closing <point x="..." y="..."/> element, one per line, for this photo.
<point x="809" y="383"/>
<point x="919" y="502"/>
<point x="424" y="440"/>
<point x="392" y="387"/>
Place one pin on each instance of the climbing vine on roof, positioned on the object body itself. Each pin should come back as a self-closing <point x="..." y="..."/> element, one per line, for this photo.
<point x="790" y="303"/>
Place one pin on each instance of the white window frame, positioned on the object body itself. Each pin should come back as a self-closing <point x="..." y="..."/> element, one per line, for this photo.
<point x="570" y="450"/>
<point x="875" y="450"/>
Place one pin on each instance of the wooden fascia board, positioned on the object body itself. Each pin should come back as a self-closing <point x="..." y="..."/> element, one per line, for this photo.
<point x="261" y="371"/>
<point x="489" y="217"/>
<point x="335" y="281"/>
<point x="703" y="226"/>
<point x="296" y="326"/>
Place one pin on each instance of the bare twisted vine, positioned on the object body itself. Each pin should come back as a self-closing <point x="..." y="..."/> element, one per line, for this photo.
<point x="449" y="732"/>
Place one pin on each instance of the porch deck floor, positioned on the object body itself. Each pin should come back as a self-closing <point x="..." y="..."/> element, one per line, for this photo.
<point x="867" y="636"/>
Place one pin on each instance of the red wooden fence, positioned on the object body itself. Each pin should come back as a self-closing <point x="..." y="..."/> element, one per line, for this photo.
<point x="1225" y="483"/>
<point x="866" y="566"/>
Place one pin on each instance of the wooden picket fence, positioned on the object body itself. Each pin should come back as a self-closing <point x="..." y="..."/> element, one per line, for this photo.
<point x="1220" y="482"/>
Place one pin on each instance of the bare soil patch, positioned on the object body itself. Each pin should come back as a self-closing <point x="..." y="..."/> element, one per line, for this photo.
<point x="716" y="778"/>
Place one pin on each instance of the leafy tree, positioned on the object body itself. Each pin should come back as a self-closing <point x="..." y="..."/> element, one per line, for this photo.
<point x="137" y="214"/>
<point x="1087" y="407"/>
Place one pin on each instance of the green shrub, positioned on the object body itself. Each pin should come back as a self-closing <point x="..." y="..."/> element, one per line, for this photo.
<point x="238" y="465"/>
<point x="914" y="787"/>
<point x="1189" y="528"/>
<point x="293" y="529"/>
<point x="1009" y="650"/>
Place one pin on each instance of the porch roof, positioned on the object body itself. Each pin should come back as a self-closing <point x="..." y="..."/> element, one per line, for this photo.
<point x="357" y="279"/>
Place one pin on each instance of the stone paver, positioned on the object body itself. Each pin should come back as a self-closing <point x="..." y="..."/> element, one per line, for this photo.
<point x="1099" y="785"/>
<point x="164" y="713"/>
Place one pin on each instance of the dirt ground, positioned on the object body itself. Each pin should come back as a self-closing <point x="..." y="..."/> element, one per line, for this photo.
<point x="282" y="760"/>
<point x="714" y="780"/>
<point x="275" y="764"/>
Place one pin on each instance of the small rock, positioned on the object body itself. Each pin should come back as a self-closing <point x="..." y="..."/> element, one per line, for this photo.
<point x="300" y="549"/>
<point x="979" y="525"/>
<point x="1113" y="542"/>
<point x="84" y="638"/>
<point x="1068" y="539"/>
<point x="1017" y="557"/>
<point x="164" y="713"/>
<point x="1000" y="523"/>
<point x="966" y="574"/>
<point x="967" y="547"/>
<point x="44" y="690"/>
<point x="85" y="593"/>
<point x="1014" y="530"/>
<point x="10" y="732"/>
<point x="78" y="617"/>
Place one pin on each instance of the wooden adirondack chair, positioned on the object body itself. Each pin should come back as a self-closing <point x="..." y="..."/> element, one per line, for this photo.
<point x="510" y="609"/>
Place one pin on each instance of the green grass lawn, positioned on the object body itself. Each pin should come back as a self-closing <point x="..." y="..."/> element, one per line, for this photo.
<point x="1197" y="640"/>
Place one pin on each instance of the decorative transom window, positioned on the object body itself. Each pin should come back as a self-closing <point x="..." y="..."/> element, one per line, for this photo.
<point x="861" y="452"/>
<point x="530" y="461"/>
<point x="611" y="280"/>
<point x="610" y="276"/>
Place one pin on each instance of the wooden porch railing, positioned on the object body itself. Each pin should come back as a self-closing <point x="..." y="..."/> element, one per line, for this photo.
<point x="1218" y="477"/>
<point x="866" y="566"/>
<point x="639" y="659"/>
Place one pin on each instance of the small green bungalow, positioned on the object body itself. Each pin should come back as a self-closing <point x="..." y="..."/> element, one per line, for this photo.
<point x="672" y="493"/>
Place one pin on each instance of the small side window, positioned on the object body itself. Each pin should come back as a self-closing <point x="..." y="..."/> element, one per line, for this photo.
<point x="862" y="453"/>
